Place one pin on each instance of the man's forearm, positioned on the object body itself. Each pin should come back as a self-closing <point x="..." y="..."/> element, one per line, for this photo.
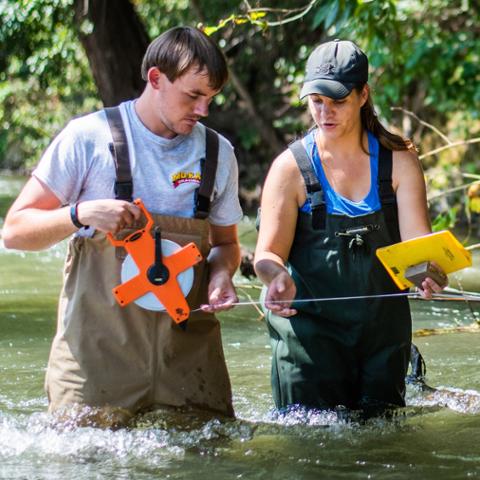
<point x="36" y="229"/>
<point x="224" y="259"/>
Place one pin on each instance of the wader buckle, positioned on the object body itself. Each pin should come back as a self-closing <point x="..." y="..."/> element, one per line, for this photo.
<point x="356" y="234"/>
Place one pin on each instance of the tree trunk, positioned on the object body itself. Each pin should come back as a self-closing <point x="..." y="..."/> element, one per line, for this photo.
<point x="263" y="125"/>
<point x="115" y="41"/>
<point x="266" y="131"/>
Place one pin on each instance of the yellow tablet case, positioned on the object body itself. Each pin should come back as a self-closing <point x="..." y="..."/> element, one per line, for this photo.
<point x="440" y="247"/>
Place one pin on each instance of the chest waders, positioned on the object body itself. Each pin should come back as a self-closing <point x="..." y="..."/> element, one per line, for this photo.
<point x="104" y="355"/>
<point x="353" y="353"/>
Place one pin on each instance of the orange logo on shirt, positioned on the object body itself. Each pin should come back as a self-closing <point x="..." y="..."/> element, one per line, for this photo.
<point x="185" y="177"/>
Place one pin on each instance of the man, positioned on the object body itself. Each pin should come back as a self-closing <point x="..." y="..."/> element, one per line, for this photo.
<point x="122" y="360"/>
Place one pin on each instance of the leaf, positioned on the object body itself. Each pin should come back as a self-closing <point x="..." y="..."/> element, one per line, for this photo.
<point x="474" y="205"/>
<point x="256" y="15"/>
<point x="345" y="15"/>
<point x="445" y="221"/>
<point x="240" y="20"/>
<point x="332" y="15"/>
<point x="320" y="16"/>
<point x="209" y="30"/>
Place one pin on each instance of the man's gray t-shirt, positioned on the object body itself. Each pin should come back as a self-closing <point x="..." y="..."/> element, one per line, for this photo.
<point x="78" y="166"/>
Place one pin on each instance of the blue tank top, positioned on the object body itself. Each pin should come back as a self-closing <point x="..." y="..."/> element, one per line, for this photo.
<point x="336" y="203"/>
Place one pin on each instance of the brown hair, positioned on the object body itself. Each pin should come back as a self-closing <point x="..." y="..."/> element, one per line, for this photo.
<point x="370" y="122"/>
<point x="180" y="48"/>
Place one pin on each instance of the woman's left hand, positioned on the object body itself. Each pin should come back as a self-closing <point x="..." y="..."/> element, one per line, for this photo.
<point x="430" y="286"/>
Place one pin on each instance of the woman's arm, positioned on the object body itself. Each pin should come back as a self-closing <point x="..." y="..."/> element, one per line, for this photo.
<point x="283" y="193"/>
<point x="409" y="184"/>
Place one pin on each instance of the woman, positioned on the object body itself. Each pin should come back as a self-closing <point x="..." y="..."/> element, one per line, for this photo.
<point x="329" y="201"/>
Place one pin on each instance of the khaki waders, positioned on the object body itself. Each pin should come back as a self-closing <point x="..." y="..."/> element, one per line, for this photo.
<point x="104" y="355"/>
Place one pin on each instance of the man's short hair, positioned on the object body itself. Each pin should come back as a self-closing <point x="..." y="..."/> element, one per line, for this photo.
<point x="178" y="49"/>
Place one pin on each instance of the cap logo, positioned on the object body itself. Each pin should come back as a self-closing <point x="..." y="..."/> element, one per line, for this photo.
<point x="325" y="69"/>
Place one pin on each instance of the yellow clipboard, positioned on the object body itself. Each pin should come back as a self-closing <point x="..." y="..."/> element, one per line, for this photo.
<point x="440" y="247"/>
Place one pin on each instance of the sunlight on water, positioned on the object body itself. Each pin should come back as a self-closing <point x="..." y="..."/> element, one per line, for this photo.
<point x="300" y="444"/>
<point x="157" y="439"/>
<point x="456" y="399"/>
<point x="34" y="442"/>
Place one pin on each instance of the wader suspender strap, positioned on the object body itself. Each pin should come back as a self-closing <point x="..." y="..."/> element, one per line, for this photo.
<point x="119" y="151"/>
<point x="208" y="167"/>
<point x="314" y="189"/>
<point x="387" y="196"/>
<point x="124" y="183"/>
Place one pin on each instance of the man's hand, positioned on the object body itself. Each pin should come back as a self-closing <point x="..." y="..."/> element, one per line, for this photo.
<point x="223" y="260"/>
<point x="109" y="216"/>
<point x="280" y="295"/>
<point x="37" y="220"/>
<point x="221" y="293"/>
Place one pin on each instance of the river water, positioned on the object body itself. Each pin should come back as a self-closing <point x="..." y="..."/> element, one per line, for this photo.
<point x="437" y="436"/>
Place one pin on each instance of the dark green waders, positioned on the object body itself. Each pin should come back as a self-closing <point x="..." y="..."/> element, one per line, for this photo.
<point x="353" y="353"/>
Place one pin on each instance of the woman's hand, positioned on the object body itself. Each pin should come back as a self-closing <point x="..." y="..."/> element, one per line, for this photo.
<point x="430" y="286"/>
<point x="280" y="294"/>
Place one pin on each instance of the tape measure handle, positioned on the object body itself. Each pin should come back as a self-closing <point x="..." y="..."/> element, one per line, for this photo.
<point x="115" y="242"/>
<point x="138" y="202"/>
<point x="148" y="226"/>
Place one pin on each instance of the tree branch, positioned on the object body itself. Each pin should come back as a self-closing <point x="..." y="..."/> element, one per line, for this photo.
<point x="267" y="133"/>
<point x="451" y="145"/>
<point x="452" y="190"/>
<point x="303" y="11"/>
<point x="422" y="122"/>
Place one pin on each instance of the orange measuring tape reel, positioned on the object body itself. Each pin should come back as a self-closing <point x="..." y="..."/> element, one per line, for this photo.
<point x="156" y="273"/>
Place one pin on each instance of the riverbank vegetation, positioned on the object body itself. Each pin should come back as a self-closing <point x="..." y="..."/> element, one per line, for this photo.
<point x="62" y="58"/>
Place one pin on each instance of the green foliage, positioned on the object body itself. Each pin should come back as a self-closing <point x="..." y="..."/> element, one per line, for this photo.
<point x="254" y="18"/>
<point x="445" y="221"/>
<point x="44" y="77"/>
<point x="424" y="57"/>
<point x="249" y="137"/>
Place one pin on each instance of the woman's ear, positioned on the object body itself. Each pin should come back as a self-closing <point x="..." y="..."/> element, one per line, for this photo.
<point x="364" y="94"/>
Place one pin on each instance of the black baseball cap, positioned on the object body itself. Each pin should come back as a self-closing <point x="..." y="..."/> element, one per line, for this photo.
<point x="334" y="69"/>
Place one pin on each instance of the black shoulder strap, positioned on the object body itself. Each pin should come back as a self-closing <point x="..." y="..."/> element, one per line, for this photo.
<point x="387" y="196"/>
<point x="119" y="151"/>
<point x="314" y="189"/>
<point x="208" y="168"/>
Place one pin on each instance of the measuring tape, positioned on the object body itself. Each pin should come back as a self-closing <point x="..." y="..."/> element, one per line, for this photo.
<point x="157" y="274"/>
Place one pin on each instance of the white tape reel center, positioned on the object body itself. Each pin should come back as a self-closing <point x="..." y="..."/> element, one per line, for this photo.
<point x="149" y="301"/>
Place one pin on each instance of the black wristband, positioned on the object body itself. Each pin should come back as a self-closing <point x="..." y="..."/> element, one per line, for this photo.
<point x="74" y="216"/>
